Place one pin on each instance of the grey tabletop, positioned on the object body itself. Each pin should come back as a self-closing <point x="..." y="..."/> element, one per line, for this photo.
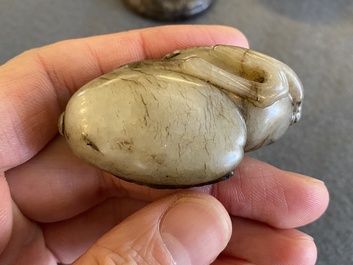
<point x="314" y="37"/>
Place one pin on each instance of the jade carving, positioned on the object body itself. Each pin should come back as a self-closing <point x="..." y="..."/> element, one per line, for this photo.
<point x="184" y="120"/>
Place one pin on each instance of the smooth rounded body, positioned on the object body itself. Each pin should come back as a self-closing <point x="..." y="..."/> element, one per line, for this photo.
<point x="183" y="132"/>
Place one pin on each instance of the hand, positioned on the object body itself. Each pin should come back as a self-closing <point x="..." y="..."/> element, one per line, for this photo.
<point x="56" y="209"/>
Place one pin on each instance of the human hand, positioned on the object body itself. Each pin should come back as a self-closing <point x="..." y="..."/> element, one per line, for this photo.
<point x="56" y="209"/>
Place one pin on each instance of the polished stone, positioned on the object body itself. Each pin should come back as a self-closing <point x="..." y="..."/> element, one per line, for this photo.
<point x="184" y="120"/>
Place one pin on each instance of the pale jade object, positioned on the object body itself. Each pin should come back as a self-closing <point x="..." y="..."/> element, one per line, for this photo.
<point x="184" y="120"/>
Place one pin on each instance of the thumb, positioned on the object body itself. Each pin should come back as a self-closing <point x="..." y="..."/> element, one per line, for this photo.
<point x="183" y="228"/>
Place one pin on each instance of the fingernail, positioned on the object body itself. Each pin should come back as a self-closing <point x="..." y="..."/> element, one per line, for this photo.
<point x="194" y="231"/>
<point x="317" y="181"/>
<point x="306" y="237"/>
<point x="297" y="235"/>
<point x="310" y="179"/>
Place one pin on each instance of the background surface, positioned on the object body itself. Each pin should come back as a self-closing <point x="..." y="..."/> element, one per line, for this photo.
<point x="314" y="37"/>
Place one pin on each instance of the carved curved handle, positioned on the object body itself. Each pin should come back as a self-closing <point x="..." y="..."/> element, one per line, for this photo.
<point x="248" y="74"/>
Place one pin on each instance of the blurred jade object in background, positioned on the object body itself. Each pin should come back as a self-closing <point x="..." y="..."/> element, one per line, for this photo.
<point x="168" y="9"/>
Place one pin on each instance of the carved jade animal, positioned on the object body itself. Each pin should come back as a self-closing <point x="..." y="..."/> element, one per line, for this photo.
<point x="184" y="120"/>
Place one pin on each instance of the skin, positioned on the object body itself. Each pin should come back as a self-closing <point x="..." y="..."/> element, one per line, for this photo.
<point x="56" y="209"/>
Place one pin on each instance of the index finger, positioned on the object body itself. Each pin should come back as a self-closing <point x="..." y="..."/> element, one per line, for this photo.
<point x="36" y="85"/>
